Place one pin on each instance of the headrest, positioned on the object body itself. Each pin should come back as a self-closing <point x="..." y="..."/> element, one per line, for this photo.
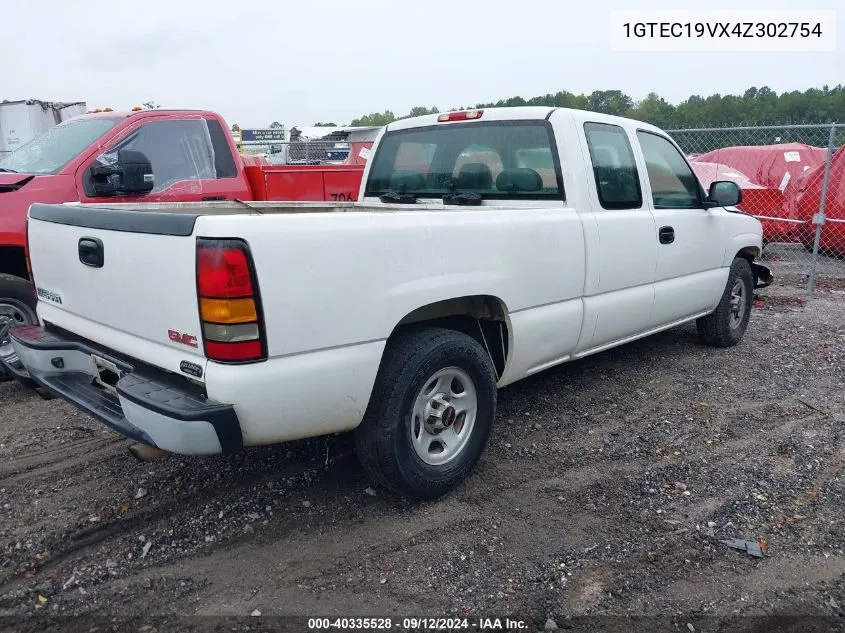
<point x="407" y="180"/>
<point x="520" y="179"/>
<point x="475" y="176"/>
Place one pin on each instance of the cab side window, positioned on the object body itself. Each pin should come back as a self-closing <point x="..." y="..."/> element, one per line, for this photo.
<point x="673" y="183"/>
<point x="178" y="150"/>
<point x="617" y="179"/>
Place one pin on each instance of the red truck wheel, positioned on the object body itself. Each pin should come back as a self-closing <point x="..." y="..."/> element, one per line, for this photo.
<point x="17" y="307"/>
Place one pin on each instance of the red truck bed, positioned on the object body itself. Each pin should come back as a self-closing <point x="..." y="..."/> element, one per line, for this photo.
<point x="305" y="182"/>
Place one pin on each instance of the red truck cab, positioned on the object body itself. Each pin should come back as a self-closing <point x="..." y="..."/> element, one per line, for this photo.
<point x="178" y="155"/>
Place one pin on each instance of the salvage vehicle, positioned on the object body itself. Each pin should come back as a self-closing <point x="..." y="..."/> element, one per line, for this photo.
<point x="204" y="328"/>
<point x="188" y="156"/>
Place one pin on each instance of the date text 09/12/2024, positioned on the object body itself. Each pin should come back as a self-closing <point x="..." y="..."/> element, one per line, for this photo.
<point x="417" y="624"/>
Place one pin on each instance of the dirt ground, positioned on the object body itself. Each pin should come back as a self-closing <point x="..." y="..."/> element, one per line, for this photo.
<point x="607" y="490"/>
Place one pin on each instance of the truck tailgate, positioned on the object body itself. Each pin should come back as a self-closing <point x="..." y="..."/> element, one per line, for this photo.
<point x="123" y="279"/>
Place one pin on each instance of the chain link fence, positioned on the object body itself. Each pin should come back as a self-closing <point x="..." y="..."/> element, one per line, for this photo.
<point x="793" y="180"/>
<point x="312" y="152"/>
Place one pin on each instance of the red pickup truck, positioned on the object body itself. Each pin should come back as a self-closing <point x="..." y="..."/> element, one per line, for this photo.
<point x="145" y="155"/>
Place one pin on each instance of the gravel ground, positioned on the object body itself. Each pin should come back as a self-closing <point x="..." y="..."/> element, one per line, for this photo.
<point x="607" y="490"/>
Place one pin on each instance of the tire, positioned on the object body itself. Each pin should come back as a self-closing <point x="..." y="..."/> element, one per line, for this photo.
<point x="397" y="447"/>
<point x="725" y="326"/>
<point x="17" y="307"/>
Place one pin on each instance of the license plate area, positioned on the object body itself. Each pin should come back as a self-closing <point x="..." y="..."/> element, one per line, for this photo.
<point x="105" y="373"/>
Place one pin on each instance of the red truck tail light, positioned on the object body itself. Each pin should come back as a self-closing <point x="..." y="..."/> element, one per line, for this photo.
<point x="462" y="115"/>
<point x="229" y="303"/>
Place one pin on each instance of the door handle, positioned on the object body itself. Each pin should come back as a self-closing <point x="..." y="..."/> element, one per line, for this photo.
<point x="213" y="198"/>
<point x="666" y="234"/>
<point x="91" y="252"/>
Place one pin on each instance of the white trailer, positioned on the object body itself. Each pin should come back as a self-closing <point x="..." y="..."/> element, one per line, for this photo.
<point x="20" y="121"/>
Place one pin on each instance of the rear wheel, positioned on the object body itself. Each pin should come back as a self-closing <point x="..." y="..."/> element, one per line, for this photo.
<point x="430" y="413"/>
<point x="725" y="326"/>
<point x="17" y="307"/>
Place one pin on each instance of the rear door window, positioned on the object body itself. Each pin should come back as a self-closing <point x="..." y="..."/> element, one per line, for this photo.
<point x="493" y="159"/>
<point x="617" y="178"/>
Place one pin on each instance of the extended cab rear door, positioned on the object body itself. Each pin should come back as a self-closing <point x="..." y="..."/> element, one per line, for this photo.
<point x="191" y="157"/>
<point x="620" y="237"/>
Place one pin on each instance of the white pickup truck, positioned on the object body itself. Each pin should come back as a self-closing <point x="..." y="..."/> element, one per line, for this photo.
<point x="486" y="246"/>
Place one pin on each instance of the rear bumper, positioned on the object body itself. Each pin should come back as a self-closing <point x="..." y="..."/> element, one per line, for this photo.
<point x="146" y="404"/>
<point x="10" y="365"/>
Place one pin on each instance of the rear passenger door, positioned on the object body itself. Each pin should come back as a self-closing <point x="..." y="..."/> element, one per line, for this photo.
<point x="689" y="275"/>
<point x="621" y="242"/>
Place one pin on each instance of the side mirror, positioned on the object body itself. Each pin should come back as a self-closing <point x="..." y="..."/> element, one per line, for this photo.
<point x="724" y="193"/>
<point x="127" y="174"/>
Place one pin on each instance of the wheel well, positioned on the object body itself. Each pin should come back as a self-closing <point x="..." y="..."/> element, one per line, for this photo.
<point x="13" y="261"/>
<point x="763" y="276"/>
<point x="750" y="253"/>
<point x="483" y="317"/>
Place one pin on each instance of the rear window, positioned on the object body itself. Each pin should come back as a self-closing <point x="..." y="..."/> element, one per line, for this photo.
<point x="499" y="160"/>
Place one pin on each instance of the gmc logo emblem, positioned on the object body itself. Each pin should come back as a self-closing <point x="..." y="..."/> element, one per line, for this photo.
<point x="183" y="339"/>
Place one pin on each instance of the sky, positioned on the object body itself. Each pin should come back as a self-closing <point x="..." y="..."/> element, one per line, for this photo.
<point x="259" y="61"/>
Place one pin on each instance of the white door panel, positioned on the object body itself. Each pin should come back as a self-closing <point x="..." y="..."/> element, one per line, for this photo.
<point x="688" y="295"/>
<point x="699" y="242"/>
<point x="628" y="249"/>
<point x="621" y="240"/>
<point x="617" y="315"/>
<point x="690" y="237"/>
<point x="698" y="249"/>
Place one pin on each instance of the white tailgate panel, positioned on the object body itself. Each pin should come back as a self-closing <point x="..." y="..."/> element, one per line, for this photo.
<point x="146" y="287"/>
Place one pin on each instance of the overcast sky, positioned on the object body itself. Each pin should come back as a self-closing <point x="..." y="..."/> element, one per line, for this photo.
<point x="258" y="61"/>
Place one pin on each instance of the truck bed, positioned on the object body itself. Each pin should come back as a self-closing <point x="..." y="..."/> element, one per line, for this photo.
<point x="229" y="207"/>
<point x="305" y="182"/>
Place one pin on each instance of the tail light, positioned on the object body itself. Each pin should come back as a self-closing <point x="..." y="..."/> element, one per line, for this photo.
<point x="229" y="303"/>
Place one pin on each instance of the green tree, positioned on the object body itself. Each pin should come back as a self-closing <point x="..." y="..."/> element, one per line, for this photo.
<point x="376" y="118"/>
<point x="653" y="109"/>
<point x="755" y="106"/>
<point x="319" y="124"/>
<point x="421" y="111"/>
<point x="609" y="102"/>
<point x="150" y="105"/>
<point x="236" y="127"/>
<point x="275" y="125"/>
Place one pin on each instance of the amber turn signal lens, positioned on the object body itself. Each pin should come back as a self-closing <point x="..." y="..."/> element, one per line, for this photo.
<point x="228" y="310"/>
